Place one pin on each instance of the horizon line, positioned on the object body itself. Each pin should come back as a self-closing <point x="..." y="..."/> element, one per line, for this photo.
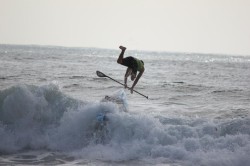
<point x="153" y="51"/>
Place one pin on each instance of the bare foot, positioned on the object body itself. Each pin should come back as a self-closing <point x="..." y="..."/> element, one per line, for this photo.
<point x="122" y="48"/>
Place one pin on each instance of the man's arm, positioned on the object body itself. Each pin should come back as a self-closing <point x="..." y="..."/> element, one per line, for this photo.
<point x="126" y="77"/>
<point x="136" y="80"/>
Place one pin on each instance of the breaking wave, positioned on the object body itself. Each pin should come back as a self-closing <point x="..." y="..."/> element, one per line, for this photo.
<point x="44" y="118"/>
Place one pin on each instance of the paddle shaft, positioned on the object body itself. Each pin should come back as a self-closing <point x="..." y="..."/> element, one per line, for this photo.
<point x="124" y="85"/>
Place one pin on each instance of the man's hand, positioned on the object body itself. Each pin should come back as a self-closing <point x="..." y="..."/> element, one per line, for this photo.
<point x="131" y="90"/>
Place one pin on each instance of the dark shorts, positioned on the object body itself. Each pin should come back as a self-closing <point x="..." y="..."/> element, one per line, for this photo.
<point x="131" y="63"/>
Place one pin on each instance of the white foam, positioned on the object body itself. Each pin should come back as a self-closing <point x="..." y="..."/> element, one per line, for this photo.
<point x="39" y="118"/>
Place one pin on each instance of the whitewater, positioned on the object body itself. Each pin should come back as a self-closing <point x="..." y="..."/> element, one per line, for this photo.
<point x="50" y="99"/>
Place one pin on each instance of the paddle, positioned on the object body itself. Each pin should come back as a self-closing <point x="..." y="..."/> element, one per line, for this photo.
<point x="100" y="74"/>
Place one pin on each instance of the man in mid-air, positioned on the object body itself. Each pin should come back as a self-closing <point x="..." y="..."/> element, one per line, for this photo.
<point x="133" y="65"/>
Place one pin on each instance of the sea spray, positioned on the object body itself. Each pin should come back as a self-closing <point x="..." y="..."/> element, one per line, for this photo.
<point x="44" y="118"/>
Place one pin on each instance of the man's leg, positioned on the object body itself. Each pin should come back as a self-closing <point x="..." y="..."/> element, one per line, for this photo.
<point x="119" y="60"/>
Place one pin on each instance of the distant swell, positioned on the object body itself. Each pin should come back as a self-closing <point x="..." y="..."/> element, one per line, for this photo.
<point x="228" y="91"/>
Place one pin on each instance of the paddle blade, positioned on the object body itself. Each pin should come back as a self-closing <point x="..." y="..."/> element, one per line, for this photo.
<point x="100" y="74"/>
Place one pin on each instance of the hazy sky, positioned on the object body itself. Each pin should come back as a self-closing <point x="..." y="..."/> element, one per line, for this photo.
<point x="205" y="26"/>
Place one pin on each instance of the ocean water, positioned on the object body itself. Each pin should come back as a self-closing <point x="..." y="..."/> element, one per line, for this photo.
<point x="197" y="112"/>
